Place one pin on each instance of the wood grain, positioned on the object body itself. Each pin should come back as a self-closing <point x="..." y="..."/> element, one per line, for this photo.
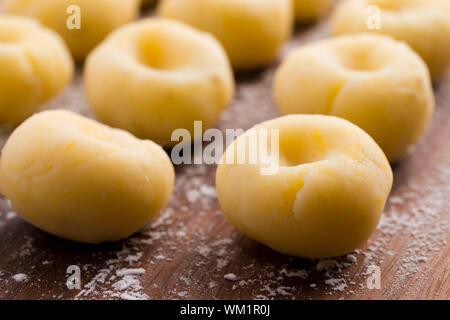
<point x="189" y="249"/>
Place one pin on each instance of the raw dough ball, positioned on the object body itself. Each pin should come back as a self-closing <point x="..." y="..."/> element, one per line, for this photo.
<point x="81" y="180"/>
<point x="326" y="198"/>
<point x="307" y="10"/>
<point x="97" y="18"/>
<point x="251" y="31"/>
<point x="35" y="65"/>
<point x="154" y="76"/>
<point x="377" y="83"/>
<point x="423" y="24"/>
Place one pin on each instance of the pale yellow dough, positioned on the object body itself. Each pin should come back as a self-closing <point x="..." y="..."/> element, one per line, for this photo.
<point x="98" y="18"/>
<point x="35" y="65"/>
<point x="326" y="198"/>
<point x="81" y="180"/>
<point x="309" y="10"/>
<point x="377" y="83"/>
<point x="155" y="76"/>
<point x="250" y="31"/>
<point x="423" y="24"/>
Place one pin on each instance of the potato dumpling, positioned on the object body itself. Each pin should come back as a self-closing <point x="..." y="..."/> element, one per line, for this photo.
<point x="81" y="180"/>
<point x="423" y="24"/>
<point x="155" y="76"/>
<point x="327" y="196"/>
<point x="251" y="31"/>
<point x="35" y="65"/>
<point x="309" y="10"/>
<point x="97" y="18"/>
<point x="377" y="83"/>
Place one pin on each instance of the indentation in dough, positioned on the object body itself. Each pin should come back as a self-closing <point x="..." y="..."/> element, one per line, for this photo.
<point x="298" y="202"/>
<point x="332" y="96"/>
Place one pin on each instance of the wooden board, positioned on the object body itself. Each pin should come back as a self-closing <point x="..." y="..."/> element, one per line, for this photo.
<point x="188" y="250"/>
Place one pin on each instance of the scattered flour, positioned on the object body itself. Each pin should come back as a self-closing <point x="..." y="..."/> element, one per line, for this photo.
<point x="424" y="222"/>
<point x="122" y="284"/>
<point x="20" y="277"/>
<point x="11" y="215"/>
<point x="230" y="277"/>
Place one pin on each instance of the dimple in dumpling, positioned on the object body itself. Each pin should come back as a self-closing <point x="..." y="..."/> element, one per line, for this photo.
<point x="377" y="83"/>
<point x="423" y="24"/>
<point x="327" y="196"/>
<point x="157" y="75"/>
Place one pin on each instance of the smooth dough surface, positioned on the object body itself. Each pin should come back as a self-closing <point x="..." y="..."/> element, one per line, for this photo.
<point x="423" y="24"/>
<point x="326" y="198"/>
<point x="157" y="75"/>
<point x="35" y="65"/>
<point x="81" y="180"/>
<point x="250" y="31"/>
<point x="97" y="18"/>
<point x="377" y="83"/>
